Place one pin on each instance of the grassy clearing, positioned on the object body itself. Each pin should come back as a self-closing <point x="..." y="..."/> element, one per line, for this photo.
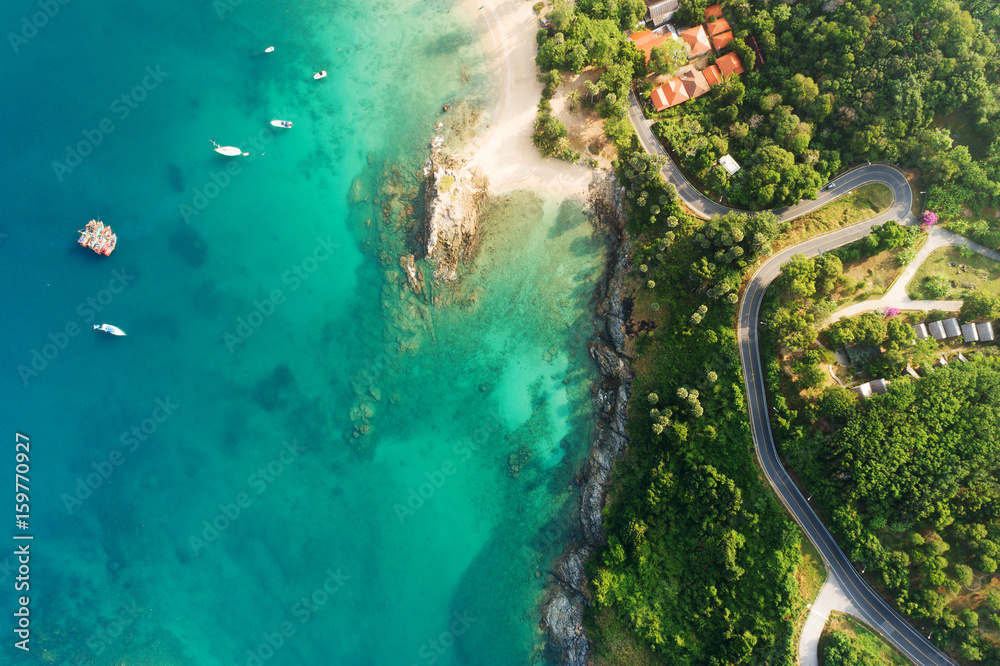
<point x="963" y="269"/>
<point x="614" y="645"/>
<point x="872" y="276"/>
<point x="871" y="650"/>
<point x="861" y="204"/>
<point x="810" y="576"/>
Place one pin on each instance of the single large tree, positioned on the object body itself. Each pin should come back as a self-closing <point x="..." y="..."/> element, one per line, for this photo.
<point x="668" y="56"/>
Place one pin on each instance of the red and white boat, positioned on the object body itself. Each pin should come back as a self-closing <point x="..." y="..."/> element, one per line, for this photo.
<point x="98" y="238"/>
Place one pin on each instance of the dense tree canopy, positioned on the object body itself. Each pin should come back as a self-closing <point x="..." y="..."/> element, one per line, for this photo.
<point x="846" y="82"/>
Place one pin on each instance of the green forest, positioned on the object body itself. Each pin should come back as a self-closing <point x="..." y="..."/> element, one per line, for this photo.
<point x="843" y="83"/>
<point x="700" y="563"/>
<point x="908" y="483"/>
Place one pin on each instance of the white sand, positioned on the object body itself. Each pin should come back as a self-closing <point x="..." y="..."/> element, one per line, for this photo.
<point x="507" y="29"/>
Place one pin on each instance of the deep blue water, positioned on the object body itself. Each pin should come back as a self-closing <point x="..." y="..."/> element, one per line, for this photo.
<point x="289" y="459"/>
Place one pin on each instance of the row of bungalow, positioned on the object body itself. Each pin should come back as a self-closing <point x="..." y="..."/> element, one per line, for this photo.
<point x="939" y="330"/>
<point x="950" y="328"/>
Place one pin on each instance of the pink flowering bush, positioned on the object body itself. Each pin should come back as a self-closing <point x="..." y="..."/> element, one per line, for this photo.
<point x="889" y="313"/>
<point x="928" y="220"/>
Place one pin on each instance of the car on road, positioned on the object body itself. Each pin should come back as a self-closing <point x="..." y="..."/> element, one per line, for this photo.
<point x="830" y="186"/>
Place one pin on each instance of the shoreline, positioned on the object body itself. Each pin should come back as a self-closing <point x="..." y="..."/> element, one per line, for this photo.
<point x="504" y="151"/>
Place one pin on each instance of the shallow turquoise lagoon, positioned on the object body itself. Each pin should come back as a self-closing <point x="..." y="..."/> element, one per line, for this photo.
<point x="289" y="459"/>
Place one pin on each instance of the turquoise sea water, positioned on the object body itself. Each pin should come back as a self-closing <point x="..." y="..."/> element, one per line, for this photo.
<point x="290" y="459"/>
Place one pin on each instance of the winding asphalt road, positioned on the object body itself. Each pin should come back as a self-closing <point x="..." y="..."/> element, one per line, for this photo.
<point x="869" y="605"/>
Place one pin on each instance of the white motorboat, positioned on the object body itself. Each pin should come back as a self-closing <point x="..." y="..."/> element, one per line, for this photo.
<point x="287" y="124"/>
<point x="269" y="49"/>
<point x="108" y="328"/>
<point x="320" y="75"/>
<point x="228" y="151"/>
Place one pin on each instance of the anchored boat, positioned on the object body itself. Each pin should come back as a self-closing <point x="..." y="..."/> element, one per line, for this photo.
<point x="282" y="123"/>
<point x="98" y="238"/>
<point x="108" y="328"/>
<point x="228" y="151"/>
<point x="320" y="75"/>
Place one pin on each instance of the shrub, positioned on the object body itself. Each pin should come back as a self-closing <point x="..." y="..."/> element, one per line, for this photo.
<point x="936" y="286"/>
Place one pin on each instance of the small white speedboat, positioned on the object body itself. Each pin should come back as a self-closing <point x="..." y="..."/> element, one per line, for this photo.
<point x="320" y="75"/>
<point x="228" y="151"/>
<point x="269" y="49"/>
<point x="287" y="124"/>
<point x="108" y="328"/>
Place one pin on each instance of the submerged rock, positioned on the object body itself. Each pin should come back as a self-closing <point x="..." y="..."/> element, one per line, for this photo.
<point x="413" y="277"/>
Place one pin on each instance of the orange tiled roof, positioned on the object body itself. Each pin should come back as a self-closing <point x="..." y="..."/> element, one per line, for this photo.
<point x="722" y="41"/>
<point x="714" y="10"/>
<point x="647" y="41"/>
<point x="697" y="39"/>
<point x="729" y="64"/>
<point x="669" y="94"/>
<point x="717" y="26"/>
<point x="712" y="74"/>
<point x="695" y="83"/>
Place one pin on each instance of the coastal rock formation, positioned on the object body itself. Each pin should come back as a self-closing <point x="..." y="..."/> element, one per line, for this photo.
<point x="453" y="194"/>
<point x="413" y="276"/>
<point x="562" y="610"/>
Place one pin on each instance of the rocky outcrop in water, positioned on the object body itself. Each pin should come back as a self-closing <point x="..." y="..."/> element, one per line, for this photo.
<point x="562" y="610"/>
<point x="453" y="194"/>
<point x="414" y="276"/>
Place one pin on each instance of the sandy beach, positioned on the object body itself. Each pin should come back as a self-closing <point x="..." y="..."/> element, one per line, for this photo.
<point x="504" y="152"/>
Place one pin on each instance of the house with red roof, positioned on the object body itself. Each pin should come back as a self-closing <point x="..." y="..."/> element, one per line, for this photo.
<point x="722" y="40"/>
<point x="697" y="39"/>
<point x="669" y="94"/>
<point x="718" y="26"/>
<point x="729" y="64"/>
<point x="712" y="74"/>
<point x="714" y="10"/>
<point x="647" y="40"/>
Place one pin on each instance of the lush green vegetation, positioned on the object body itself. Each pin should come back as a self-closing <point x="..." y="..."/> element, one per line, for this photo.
<point x="907" y="481"/>
<point x="847" y="642"/>
<point x="845" y="82"/>
<point x="909" y="484"/>
<point x="589" y="33"/>
<point x="701" y="561"/>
